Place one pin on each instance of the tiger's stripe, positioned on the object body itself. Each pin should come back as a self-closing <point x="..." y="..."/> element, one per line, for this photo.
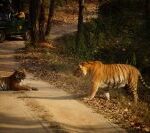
<point x="3" y="85"/>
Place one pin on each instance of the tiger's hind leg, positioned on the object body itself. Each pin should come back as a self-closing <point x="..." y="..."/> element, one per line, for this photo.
<point x="133" y="88"/>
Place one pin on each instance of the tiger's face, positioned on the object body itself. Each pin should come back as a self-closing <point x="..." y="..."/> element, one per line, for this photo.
<point x="18" y="75"/>
<point x="81" y="70"/>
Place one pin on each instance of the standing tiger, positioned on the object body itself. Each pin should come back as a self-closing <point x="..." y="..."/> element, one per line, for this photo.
<point x="110" y="75"/>
<point x="13" y="82"/>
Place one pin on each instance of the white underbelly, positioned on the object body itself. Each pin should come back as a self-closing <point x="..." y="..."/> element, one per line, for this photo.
<point x="103" y="85"/>
<point x="112" y="84"/>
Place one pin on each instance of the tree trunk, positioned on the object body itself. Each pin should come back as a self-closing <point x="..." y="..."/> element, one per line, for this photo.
<point x="42" y="22"/>
<point x="80" y="23"/>
<point x="34" y="17"/>
<point x="66" y="1"/>
<point x="147" y="14"/>
<point x="147" y="8"/>
<point x="50" y="16"/>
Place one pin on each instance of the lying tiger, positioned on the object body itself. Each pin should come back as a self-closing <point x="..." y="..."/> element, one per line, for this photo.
<point x="110" y="75"/>
<point x="13" y="82"/>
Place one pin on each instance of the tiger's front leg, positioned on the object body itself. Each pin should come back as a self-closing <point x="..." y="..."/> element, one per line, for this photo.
<point x="19" y="88"/>
<point x="25" y="88"/>
<point x="92" y="92"/>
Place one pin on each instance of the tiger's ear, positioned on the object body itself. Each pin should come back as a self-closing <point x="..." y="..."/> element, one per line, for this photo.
<point x="80" y="66"/>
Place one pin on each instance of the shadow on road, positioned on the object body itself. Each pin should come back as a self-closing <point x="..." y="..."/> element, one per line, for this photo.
<point x="70" y="97"/>
<point x="17" y="125"/>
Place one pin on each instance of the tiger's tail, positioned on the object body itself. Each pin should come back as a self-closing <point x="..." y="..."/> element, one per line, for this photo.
<point x="143" y="82"/>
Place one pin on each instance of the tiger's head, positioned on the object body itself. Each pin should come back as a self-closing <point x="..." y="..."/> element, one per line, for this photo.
<point x="18" y="75"/>
<point x="85" y="67"/>
<point x="81" y="70"/>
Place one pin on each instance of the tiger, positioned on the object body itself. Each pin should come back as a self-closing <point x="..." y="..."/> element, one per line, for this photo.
<point x="110" y="76"/>
<point x="12" y="82"/>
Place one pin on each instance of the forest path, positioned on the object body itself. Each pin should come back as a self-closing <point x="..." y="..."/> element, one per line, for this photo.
<point x="49" y="109"/>
<point x="15" y="116"/>
<point x="61" y="30"/>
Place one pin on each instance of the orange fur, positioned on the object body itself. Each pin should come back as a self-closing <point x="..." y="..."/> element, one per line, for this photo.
<point x="109" y="75"/>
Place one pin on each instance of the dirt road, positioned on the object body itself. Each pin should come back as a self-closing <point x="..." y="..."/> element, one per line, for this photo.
<point x="47" y="110"/>
<point x="15" y="116"/>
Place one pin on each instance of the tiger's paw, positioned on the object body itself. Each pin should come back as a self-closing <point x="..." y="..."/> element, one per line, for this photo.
<point x="87" y="99"/>
<point x="107" y="96"/>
